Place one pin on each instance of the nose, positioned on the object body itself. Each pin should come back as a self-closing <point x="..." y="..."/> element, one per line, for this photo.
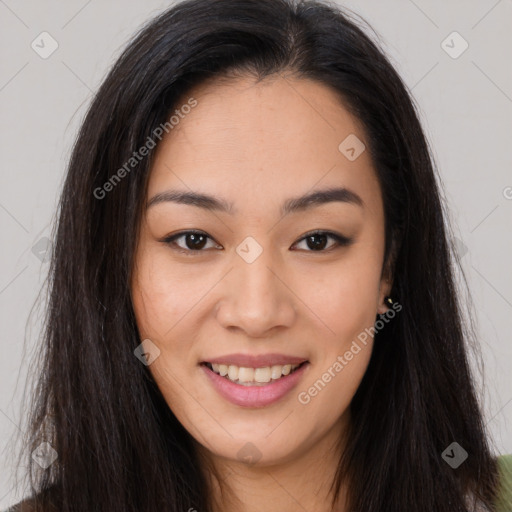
<point x="256" y="297"/>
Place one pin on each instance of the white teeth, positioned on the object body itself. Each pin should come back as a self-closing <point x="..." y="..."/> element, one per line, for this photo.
<point x="233" y="372"/>
<point x="262" y="374"/>
<point x="244" y="375"/>
<point x="276" y="371"/>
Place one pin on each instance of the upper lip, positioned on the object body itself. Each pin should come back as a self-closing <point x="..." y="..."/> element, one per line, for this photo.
<point x="254" y="361"/>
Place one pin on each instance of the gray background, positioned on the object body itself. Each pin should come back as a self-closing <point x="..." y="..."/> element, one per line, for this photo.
<point x="465" y="104"/>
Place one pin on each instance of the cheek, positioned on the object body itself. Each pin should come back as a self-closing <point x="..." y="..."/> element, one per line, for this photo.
<point x="162" y="296"/>
<point x="347" y="306"/>
<point x="344" y="296"/>
<point x="162" y="293"/>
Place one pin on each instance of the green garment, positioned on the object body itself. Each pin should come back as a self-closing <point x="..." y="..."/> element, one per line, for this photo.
<point x="504" y="503"/>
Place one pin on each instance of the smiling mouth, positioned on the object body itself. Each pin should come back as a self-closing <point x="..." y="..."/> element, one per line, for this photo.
<point x="253" y="376"/>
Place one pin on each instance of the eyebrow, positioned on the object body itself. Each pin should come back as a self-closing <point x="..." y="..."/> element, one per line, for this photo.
<point x="292" y="205"/>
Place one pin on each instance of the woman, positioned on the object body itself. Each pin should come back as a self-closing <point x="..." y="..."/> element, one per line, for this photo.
<point x="252" y="297"/>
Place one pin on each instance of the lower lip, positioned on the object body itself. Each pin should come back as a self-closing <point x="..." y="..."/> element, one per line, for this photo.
<point x="255" y="396"/>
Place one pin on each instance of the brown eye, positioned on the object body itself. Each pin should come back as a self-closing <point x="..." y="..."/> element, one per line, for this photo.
<point x="193" y="241"/>
<point x="317" y="241"/>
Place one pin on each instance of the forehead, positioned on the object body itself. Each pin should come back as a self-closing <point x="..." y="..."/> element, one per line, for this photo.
<point x="262" y="140"/>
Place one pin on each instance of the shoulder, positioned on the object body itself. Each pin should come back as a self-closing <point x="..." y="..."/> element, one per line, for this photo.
<point x="24" y="506"/>
<point x="504" y="503"/>
<point x="44" y="501"/>
<point x="505" y="463"/>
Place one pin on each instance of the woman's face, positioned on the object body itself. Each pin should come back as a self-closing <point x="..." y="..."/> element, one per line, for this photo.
<point x="252" y="282"/>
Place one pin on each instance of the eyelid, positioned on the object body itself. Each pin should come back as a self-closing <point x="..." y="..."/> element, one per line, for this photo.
<point x="341" y="240"/>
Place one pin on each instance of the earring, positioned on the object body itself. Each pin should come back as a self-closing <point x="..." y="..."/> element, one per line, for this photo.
<point x="388" y="301"/>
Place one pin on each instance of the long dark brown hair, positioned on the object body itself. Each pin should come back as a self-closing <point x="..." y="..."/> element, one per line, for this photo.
<point x="120" y="448"/>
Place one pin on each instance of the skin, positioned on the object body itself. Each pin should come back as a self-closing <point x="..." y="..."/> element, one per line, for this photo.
<point x="256" y="145"/>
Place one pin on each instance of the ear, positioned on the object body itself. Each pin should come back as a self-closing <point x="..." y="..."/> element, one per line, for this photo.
<point x="384" y="291"/>
<point x="386" y="281"/>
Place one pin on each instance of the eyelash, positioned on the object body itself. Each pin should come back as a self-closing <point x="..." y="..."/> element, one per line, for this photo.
<point x="341" y="241"/>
